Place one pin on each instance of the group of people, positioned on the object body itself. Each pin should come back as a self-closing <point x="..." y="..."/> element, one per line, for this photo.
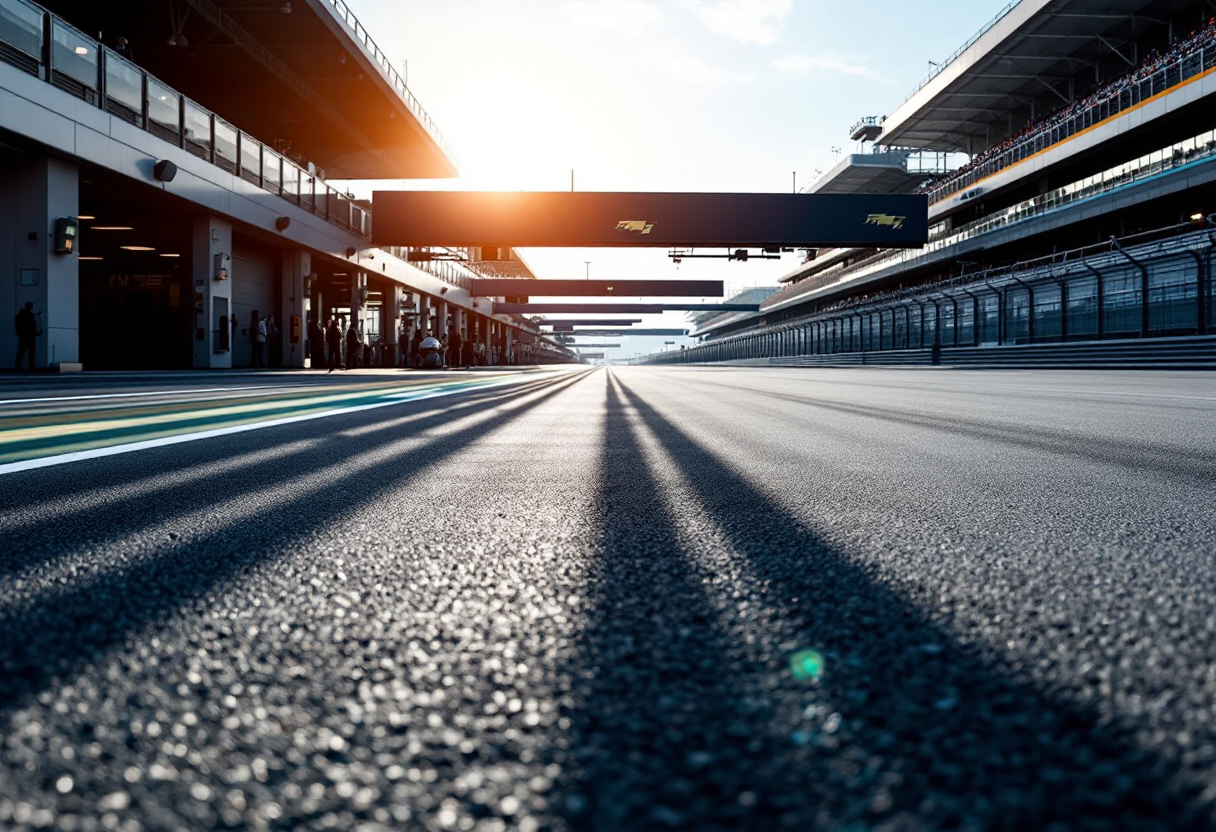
<point x="337" y="346"/>
<point x="265" y="335"/>
<point x="1155" y="61"/>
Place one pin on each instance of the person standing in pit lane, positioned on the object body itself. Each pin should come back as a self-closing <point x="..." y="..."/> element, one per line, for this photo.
<point x="27" y="334"/>
<point x="415" y="347"/>
<point x="333" y="340"/>
<point x="354" y="345"/>
<point x="257" y="340"/>
<point x="316" y="342"/>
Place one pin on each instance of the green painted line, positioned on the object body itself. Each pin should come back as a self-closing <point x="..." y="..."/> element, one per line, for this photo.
<point x="20" y="450"/>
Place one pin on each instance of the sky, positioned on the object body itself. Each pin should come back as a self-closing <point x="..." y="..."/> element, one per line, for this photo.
<point x="658" y="95"/>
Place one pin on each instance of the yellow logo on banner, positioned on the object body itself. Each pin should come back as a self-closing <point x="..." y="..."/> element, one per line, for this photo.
<point x="889" y="220"/>
<point x="640" y="226"/>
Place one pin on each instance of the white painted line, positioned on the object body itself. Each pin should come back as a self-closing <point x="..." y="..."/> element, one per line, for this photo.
<point x="114" y="450"/>
<point x="149" y="393"/>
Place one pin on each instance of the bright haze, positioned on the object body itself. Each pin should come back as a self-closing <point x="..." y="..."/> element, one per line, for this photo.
<point x="658" y="95"/>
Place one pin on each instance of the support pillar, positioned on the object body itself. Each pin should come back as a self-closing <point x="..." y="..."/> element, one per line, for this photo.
<point x="212" y="277"/>
<point x="34" y="193"/>
<point x="293" y="319"/>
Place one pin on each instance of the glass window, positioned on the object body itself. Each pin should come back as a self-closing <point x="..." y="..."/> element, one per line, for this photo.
<point x="291" y="181"/>
<point x="163" y="106"/>
<point x="21" y="26"/>
<point x="225" y="144"/>
<point x="251" y="155"/>
<point x="271" y="168"/>
<point x="198" y="125"/>
<point x="124" y="82"/>
<point x="74" y="54"/>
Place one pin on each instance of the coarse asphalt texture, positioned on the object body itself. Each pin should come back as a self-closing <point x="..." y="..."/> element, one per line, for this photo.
<point x="573" y="603"/>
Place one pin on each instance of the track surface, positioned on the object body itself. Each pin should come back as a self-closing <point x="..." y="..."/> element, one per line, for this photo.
<point x="572" y="604"/>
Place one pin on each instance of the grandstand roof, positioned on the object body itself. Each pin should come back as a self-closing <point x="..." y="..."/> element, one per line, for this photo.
<point x="301" y="76"/>
<point x="869" y="173"/>
<point x="1029" y="53"/>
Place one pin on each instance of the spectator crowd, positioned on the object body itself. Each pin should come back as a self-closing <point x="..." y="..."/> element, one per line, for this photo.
<point x="1154" y="62"/>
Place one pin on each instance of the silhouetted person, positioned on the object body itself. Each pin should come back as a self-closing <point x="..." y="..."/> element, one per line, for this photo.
<point x="123" y="48"/>
<point x="274" y="342"/>
<point x="456" y="348"/>
<point x="316" y="342"/>
<point x="333" y="340"/>
<point x="257" y="339"/>
<point x="466" y="354"/>
<point x="26" y="326"/>
<point x="353" y="345"/>
<point x="415" y="358"/>
<point x="403" y="347"/>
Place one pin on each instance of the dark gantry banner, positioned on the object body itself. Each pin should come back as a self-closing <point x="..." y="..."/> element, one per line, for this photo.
<point x="485" y="219"/>
<point x="489" y="287"/>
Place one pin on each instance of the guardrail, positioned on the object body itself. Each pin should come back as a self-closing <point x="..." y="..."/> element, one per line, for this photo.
<point x="1137" y="92"/>
<point x="42" y="44"/>
<point x="1140" y="287"/>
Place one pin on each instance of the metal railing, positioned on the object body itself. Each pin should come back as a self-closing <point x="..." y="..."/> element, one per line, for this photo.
<point x="1186" y="152"/>
<point x="1152" y="285"/>
<point x="390" y="74"/>
<point x="1118" y="101"/>
<point x="449" y="271"/>
<point x="44" y="45"/>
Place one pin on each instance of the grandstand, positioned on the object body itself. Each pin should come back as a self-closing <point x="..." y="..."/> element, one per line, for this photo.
<point x="1080" y="212"/>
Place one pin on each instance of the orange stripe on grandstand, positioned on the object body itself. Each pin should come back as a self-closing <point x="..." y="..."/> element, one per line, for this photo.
<point x="1106" y="120"/>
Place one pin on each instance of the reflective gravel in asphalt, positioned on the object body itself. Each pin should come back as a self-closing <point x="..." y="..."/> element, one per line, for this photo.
<point x="632" y="599"/>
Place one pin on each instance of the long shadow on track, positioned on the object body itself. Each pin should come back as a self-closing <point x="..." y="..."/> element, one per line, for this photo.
<point x="57" y="635"/>
<point x="673" y="726"/>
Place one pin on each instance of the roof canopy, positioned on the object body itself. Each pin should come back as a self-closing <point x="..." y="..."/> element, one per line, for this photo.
<point x="1025" y="63"/>
<point x="301" y="76"/>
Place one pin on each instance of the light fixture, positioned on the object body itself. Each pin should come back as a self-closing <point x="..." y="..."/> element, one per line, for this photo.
<point x="86" y="217"/>
<point x="166" y="254"/>
<point x="340" y="274"/>
<point x="90" y="258"/>
<point x="285" y="7"/>
<point x="282" y="222"/>
<point x="111" y="228"/>
<point x="1196" y="217"/>
<point x="164" y="170"/>
<point x="137" y="248"/>
<point x="350" y="251"/>
<point x="80" y="50"/>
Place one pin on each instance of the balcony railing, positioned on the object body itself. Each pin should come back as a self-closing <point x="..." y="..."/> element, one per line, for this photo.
<point x="1131" y="95"/>
<point x="1153" y="164"/>
<point x="36" y="41"/>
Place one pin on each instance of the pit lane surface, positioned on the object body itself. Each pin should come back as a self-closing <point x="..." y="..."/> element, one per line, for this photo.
<point x="572" y="603"/>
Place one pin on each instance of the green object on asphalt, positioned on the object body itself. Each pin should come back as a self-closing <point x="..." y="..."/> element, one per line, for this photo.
<point x="806" y="664"/>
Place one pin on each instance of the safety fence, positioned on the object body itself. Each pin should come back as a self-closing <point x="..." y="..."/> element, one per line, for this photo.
<point x="1151" y="285"/>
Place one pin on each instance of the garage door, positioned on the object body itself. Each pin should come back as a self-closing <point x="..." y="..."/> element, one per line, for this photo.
<point x="254" y="277"/>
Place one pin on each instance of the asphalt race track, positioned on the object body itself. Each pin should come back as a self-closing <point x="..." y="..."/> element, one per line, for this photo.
<point x="628" y="599"/>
